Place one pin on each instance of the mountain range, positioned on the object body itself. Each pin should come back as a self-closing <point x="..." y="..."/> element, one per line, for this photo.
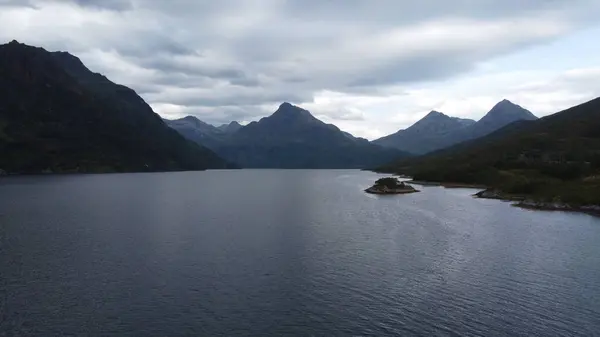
<point x="290" y="138"/>
<point x="552" y="159"/>
<point x="203" y="133"/>
<point x="437" y="130"/>
<point x="58" y="116"/>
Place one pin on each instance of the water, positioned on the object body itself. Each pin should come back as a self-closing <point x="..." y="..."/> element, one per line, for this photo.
<point x="267" y="252"/>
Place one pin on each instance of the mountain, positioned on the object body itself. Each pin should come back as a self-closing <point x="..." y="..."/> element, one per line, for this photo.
<point x="437" y="131"/>
<point x="434" y="131"/>
<point x="231" y="127"/>
<point x="293" y="138"/>
<point x="502" y="114"/>
<point x="555" y="158"/>
<point x="58" y="116"/>
<point x="198" y="131"/>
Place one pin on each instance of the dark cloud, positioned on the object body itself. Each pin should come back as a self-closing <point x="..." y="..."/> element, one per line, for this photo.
<point x="398" y="12"/>
<point x="232" y="96"/>
<point x="116" y="5"/>
<point x="145" y="43"/>
<point x="232" y="58"/>
<point x="16" y="3"/>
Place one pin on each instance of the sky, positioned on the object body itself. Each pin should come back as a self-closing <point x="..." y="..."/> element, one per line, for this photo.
<point x="371" y="67"/>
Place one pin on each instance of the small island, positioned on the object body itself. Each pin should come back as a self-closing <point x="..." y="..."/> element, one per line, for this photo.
<point x="390" y="185"/>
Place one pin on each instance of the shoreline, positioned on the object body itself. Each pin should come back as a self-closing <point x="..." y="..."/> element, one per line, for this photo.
<point x="520" y="201"/>
<point x="390" y="185"/>
<point x="557" y="207"/>
<point x="390" y="192"/>
<point x="530" y="204"/>
<point x="446" y="185"/>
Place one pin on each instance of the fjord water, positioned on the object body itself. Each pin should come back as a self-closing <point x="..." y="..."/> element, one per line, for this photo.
<point x="297" y="252"/>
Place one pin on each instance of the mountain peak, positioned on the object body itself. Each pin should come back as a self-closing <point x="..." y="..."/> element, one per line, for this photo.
<point x="288" y="107"/>
<point x="503" y="113"/>
<point x="195" y="122"/>
<point x="505" y="102"/>
<point x="434" y="114"/>
<point x="231" y="127"/>
<point x="436" y="121"/>
<point x="190" y="118"/>
<point x="16" y="45"/>
<point x="289" y="110"/>
<point x="433" y="117"/>
<point x="506" y="107"/>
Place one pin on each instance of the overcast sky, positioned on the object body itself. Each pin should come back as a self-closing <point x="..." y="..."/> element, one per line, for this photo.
<point x="370" y="67"/>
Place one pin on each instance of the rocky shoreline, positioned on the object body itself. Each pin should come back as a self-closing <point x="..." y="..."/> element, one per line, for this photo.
<point x="386" y="190"/>
<point x="523" y="202"/>
<point x="390" y="186"/>
<point x="446" y="185"/>
<point x="490" y="193"/>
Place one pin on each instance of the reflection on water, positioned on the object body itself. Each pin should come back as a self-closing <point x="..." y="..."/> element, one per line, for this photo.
<point x="297" y="252"/>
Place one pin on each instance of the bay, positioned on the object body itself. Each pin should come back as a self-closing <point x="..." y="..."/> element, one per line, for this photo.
<point x="286" y="252"/>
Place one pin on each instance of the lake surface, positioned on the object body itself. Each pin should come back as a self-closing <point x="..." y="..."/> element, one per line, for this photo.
<point x="297" y="252"/>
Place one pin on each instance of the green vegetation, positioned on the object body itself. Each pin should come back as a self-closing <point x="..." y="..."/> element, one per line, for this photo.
<point x="389" y="182"/>
<point x="554" y="159"/>
<point x="390" y="185"/>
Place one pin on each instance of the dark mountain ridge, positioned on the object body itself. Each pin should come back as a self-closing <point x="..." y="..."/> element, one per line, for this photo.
<point x="57" y="116"/>
<point x="430" y="133"/>
<point x="231" y="127"/>
<point x="554" y="159"/>
<point x="437" y="130"/>
<point x="503" y="113"/>
<point x="293" y="138"/>
<point x="199" y="132"/>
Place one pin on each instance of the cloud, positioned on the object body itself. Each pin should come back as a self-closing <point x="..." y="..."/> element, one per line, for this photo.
<point x="367" y="66"/>
<point x="117" y="5"/>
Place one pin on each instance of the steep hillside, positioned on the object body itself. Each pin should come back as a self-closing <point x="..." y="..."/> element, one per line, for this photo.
<point x="200" y="132"/>
<point x="437" y="131"/>
<point x="503" y="113"/>
<point x="293" y="138"/>
<point x="231" y="127"/>
<point x="434" y="131"/>
<point x="555" y="158"/>
<point x="57" y="116"/>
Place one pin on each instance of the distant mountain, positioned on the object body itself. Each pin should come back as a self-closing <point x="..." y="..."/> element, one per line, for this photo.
<point x="198" y="131"/>
<point x="293" y="138"/>
<point x="502" y="114"/>
<point x="437" y="131"/>
<point x="58" y="116"/>
<point x="231" y="127"/>
<point x="554" y="159"/>
<point x="434" y="131"/>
